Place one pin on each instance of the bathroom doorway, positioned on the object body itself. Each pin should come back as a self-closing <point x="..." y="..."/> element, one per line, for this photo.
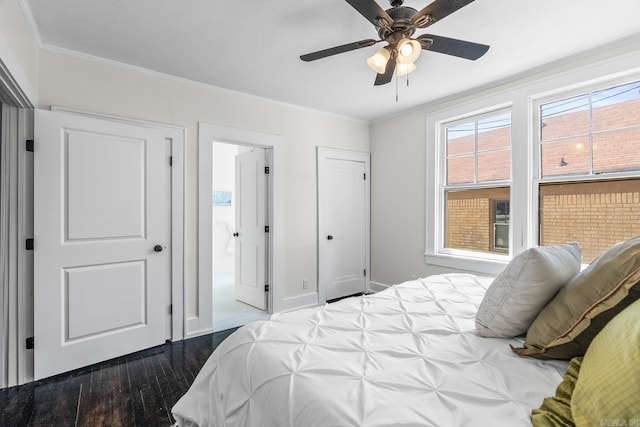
<point x="239" y="235"/>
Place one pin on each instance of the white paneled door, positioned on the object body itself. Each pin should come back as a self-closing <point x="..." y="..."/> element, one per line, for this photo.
<point x="101" y="230"/>
<point x="343" y="222"/>
<point x="251" y="208"/>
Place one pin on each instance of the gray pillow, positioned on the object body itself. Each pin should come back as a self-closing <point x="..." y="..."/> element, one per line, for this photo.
<point x="524" y="287"/>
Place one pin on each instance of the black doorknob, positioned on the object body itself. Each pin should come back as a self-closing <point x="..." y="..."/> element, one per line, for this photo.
<point x="329" y="237"/>
<point x="158" y="248"/>
<point x="235" y="234"/>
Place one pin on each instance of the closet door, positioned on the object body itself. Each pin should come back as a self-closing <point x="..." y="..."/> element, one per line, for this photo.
<point x="102" y="224"/>
<point x="343" y="222"/>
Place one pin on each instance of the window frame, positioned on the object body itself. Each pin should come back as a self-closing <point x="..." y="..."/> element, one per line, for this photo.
<point x="521" y="96"/>
<point x="437" y="253"/>
<point x="536" y="151"/>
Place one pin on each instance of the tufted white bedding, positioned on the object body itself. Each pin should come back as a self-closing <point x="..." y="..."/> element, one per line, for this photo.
<point x="407" y="356"/>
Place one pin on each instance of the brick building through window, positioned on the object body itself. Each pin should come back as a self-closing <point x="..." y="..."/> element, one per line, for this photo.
<point x="589" y="137"/>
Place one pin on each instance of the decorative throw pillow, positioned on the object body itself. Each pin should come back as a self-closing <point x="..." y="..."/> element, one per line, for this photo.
<point x="608" y="386"/>
<point x="524" y="287"/>
<point x="567" y="325"/>
<point x="556" y="411"/>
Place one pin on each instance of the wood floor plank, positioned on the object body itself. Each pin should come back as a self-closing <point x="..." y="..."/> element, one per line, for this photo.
<point x="136" y="390"/>
<point x="17" y="406"/>
<point x="56" y="403"/>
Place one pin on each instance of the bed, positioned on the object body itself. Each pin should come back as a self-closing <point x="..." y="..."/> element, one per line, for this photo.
<point x="406" y="356"/>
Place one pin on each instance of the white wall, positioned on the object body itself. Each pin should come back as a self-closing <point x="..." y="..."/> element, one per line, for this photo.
<point x="399" y="145"/>
<point x="76" y="82"/>
<point x="19" y="48"/>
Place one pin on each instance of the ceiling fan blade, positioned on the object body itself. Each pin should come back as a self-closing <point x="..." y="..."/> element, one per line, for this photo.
<point x="372" y="11"/>
<point x="436" y="11"/>
<point x="338" y="49"/>
<point x="383" y="79"/>
<point x="454" y="47"/>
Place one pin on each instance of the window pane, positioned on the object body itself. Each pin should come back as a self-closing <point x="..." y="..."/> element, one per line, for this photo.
<point x="479" y="151"/>
<point x="616" y="108"/>
<point x="494" y="165"/>
<point x="564" y="118"/>
<point x="567" y="157"/>
<point x="461" y="139"/>
<point x="471" y="217"/>
<point x="460" y="170"/>
<point x="616" y="151"/>
<point x="594" y="214"/>
<point x="494" y="132"/>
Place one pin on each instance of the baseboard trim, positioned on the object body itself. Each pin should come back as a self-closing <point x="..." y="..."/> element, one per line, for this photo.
<point x="377" y="287"/>
<point x="299" y="301"/>
<point x="237" y="321"/>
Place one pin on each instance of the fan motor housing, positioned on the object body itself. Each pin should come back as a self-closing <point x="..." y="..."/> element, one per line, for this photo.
<point x="402" y="25"/>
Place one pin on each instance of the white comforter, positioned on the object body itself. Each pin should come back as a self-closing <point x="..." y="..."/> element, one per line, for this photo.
<point x="407" y="356"/>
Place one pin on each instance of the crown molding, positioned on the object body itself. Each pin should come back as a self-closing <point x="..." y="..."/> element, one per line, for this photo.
<point x="122" y="65"/>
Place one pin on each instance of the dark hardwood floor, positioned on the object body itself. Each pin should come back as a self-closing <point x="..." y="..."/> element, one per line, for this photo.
<point x="134" y="390"/>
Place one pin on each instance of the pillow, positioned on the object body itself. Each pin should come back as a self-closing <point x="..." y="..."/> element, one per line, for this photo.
<point x="524" y="287"/>
<point x="608" y="386"/>
<point x="556" y="411"/>
<point x="567" y="325"/>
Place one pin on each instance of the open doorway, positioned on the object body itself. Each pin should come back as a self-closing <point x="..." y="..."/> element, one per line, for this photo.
<point x="239" y="253"/>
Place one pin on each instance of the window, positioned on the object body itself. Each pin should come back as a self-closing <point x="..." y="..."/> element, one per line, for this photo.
<point x="589" y="188"/>
<point x="476" y="184"/>
<point x="568" y="171"/>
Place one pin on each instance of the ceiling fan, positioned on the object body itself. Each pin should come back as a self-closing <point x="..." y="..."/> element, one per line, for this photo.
<point x="396" y="26"/>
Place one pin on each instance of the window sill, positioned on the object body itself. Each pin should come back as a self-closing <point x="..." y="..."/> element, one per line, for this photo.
<point x="474" y="265"/>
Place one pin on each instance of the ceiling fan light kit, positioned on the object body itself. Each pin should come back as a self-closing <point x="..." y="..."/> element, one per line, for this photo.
<point x="396" y="26"/>
<point x="408" y="51"/>
<point x="404" y="69"/>
<point x="378" y="62"/>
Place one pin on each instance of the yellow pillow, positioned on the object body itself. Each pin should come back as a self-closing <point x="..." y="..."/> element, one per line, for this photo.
<point x="556" y="411"/>
<point x="608" y="385"/>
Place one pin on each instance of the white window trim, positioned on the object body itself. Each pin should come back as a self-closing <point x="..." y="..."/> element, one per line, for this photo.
<point x="536" y="166"/>
<point x="436" y="253"/>
<point x="522" y="97"/>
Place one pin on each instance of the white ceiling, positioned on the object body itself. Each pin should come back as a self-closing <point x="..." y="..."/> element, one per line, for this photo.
<point x="253" y="46"/>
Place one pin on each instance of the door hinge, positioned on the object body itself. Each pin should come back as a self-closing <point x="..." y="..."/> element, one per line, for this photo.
<point x="266" y="170"/>
<point x="170" y="308"/>
<point x="266" y="228"/>
<point x="266" y="288"/>
<point x="28" y="245"/>
<point x="29" y="145"/>
<point x="29" y="343"/>
<point x="365" y="272"/>
<point x="170" y="160"/>
<point x="365" y="176"/>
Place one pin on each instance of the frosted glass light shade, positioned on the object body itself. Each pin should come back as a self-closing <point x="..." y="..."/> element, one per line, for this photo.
<point x="408" y="51"/>
<point x="378" y="62"/>
<point x="404" y="69"/>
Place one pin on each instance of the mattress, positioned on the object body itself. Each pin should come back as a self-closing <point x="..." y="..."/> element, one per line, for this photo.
<point x="406" y="356"/>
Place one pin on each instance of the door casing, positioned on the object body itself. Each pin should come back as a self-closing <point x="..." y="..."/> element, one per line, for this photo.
<point x="200" y="314"/>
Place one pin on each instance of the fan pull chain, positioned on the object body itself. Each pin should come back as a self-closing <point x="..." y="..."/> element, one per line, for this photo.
<point x="396" y="75"/>
<point x="396" y="84"/>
